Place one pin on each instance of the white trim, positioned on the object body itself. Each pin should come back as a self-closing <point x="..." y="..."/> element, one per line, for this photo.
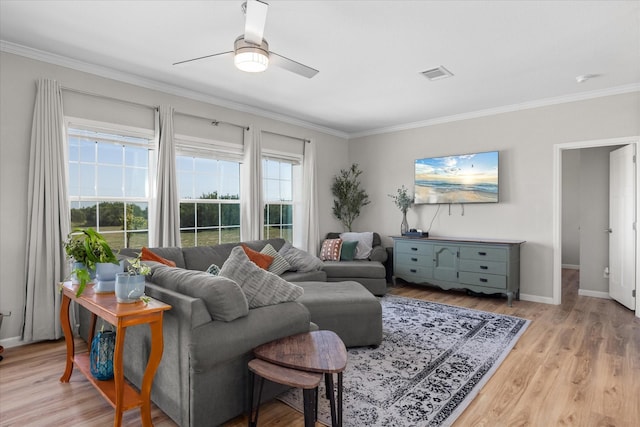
<point x="536" y="298"/>
<point x="13" y="342"/>
<point x="594" y="294"/>
<point x="571" y="266"/>
<point x="120" y="76"/>
<point x="557" y="208"/>
<point x="95" y="125"/>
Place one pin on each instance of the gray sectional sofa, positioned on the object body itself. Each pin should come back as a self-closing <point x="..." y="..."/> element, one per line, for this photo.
<point x="202" y="379"/>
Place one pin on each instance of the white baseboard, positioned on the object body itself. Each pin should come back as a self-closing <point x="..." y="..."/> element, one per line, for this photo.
<point x="571" y="266"/>
<point x="12" y="342"/>
<point x="595" y="294"/>
<point x="536" y="298"/>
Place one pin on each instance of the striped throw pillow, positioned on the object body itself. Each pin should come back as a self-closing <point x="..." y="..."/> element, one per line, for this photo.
<point x="279" y="264"/>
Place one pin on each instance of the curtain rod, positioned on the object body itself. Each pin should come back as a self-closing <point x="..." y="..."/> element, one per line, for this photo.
<point x="97" y="95"/>
<point x="287" y="136"/>
<point x="214" y="122"/>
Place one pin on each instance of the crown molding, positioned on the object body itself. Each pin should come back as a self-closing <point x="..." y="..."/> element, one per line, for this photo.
<point x="146" y="83"/>
<point x="635" y="87"/>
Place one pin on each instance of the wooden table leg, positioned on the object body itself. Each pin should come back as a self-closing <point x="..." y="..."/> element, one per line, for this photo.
<point x="118" y="374"/>
<point x="92" y="331"/>
<point x="157" y="346"/>
<point x="68" y="338"/>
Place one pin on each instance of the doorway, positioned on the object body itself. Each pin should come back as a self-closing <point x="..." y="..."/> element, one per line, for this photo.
<point x="559" y="149"/>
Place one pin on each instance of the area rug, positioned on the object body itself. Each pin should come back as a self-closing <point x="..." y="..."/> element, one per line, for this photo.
<point x="432" y="362"/>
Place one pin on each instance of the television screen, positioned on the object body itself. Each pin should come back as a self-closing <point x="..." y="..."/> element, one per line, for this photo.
<point x="467" y="178"/>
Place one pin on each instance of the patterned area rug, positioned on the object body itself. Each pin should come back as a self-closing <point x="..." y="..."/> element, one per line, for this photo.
<point x="432" y="362"/>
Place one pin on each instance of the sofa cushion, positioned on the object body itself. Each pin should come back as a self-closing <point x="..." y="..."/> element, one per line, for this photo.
<point x="261" y="287"/>
<point x="148" y="255"/>
<point x="301" y="261"/>
<point x="348" y="251"/>
<point x="354" y="269"/>
<point x="174" y="254"/>
<point x="307" y="276"/>
<point x="279" y="264"/>
<point x="330" y="250"/>
<point x="365" y="243"/>
<point x="223" y="297"/>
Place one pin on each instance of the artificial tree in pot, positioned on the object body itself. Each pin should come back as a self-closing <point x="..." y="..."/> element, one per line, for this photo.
<point x="349" y="196"/>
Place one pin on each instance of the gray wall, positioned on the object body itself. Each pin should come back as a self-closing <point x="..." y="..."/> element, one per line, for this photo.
<point x="525" y="139"/>
<point x="571" y="208"/>
<point x="17" y="86"/>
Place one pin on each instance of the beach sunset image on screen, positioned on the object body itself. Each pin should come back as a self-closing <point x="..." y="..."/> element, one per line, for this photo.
<point x="467" y="178"/>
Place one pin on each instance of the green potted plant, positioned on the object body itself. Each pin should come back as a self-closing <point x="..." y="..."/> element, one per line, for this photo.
<point x="349" y="197"/>
<point x="403" y="201"/>
<point x="91" y="250"/>
<point x="130" y="284"/>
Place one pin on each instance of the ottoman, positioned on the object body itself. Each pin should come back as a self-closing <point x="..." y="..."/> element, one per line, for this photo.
<point x="370" y="274"/>
<point x="346" y="308"/>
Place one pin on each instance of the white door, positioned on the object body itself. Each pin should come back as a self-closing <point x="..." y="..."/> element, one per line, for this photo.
<point x="622" y="217"/>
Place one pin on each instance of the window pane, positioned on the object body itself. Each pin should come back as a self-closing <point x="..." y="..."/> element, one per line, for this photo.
<point x="184" y="163"/>
<point x="111" y="216"/>
<point x="83" y="215"/>
<point x="204" y="165"/>
<point x="273" y="214"/>
<point x="208" y="214"/>
<point x="116" y="240"/>
<point x="137" y="239"/>
<point x="208" y="238"/>
<point x="110" y="181"/>
<point x="110" y="154"/>
<point x="285" y="171"/>
<point x="87" y="180"/>
<point x="272" y="190"/>
<point x="286" y="191"/>
<point x="185" y="185"/>
<point x="287" y="233"/>
<point x="229" y="180"/>
<point x="230" y="214"/>
<point x="287" y="214"/>
<point x="136" y="156"/>
<point x="188" y="238"/>
<point x="135" y="182"/>
<point x="187" y="215"/>
<point x="230" y="235"/>
<point x="137" y="216"/>
<point x="87" y="151"/>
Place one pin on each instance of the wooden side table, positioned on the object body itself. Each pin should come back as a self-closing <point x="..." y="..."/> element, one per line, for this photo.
<point x="316" y="351"/>
<point x="117" y="392"/>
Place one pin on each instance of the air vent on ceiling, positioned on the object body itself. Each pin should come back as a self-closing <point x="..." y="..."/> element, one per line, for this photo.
<point x="437" y="73"/>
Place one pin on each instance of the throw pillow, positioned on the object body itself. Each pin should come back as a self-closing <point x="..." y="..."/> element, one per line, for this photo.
<point x="348" y="250"/>
<point x="279" y="264"/>
<point x="260" y="287"/>
<point x="261" y="260"/>
<point x="330" y="250"/>
<point x="223" y="297"/>
<point x="301" y="261"/>
<point x="213" y="270"/>
<point x="365" y="243"/>
<point x="147" y="255"/>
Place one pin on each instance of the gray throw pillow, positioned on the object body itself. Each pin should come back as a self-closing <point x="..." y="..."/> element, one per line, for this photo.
<point x="279" y="265"/>
<point x="301" y="261"/>
<point x="260" y="287"/>
<point x="223" y="297"/>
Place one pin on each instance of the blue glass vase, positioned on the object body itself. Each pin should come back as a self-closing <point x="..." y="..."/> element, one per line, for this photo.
<point x="101" y="356"/>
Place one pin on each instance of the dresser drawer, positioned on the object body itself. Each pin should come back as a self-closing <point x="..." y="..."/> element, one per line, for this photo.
<point x="488" y="267"/>
<point x="480" y="253"/>
<point x="414" y="259"/>
<point x="413" y="273"/>
<point x="409" y="247"/>
<point x="484" y="280"/>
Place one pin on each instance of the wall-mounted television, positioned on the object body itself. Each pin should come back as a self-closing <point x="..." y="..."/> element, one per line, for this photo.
<point x="465" y="178"/>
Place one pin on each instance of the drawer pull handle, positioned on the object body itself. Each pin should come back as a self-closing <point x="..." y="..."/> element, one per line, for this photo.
<point x="413" y="270"/>
<point x="482" y="253"/>
<point x="484" y="267"/>
<point x="414" y="249"/>
<point x="483" y="280"/>
<point x="414" y="259"/>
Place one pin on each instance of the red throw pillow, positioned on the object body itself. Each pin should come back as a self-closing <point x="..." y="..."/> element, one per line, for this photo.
<point x="261" y="260"/>
<point x="147" y="255"/>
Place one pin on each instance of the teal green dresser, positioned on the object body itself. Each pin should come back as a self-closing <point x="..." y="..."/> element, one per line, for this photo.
<point x="479" y="265"/>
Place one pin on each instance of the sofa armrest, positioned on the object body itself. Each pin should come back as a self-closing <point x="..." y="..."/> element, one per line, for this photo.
<point x="183" y="306"/>
<point x="378" y="253"/>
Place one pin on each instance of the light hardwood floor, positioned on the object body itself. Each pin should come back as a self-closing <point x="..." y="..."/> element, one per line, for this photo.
<point x="578" y="364"/>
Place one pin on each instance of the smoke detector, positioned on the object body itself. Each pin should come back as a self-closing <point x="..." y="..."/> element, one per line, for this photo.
<point x="437" y="73"/>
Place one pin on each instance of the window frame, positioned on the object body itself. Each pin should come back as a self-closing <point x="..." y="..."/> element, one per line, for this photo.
<point x="295" y="160"/>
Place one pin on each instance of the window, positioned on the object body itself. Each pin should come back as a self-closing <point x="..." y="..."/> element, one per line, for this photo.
<point x="109" y="184"/>
<point x="277" y="179"/>
<point x="209" y="191"/>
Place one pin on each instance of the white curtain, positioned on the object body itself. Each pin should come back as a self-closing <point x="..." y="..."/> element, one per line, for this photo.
<point x="307" y="232"/>
<point x="48" y="215"/>
<point x="251" y="211"/>
<point x="167" y="220"/>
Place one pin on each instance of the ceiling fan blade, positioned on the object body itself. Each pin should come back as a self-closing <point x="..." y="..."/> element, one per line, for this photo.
<point x="291" y="65"/>
<point x="201" y="57"/>
<point x="255" y="21"/>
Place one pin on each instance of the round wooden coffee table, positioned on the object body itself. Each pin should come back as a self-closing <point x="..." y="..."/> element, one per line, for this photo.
<point x="316" y="351"/>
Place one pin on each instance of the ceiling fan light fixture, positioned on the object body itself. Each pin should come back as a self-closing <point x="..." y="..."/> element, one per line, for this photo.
<point x="250" y="57"/>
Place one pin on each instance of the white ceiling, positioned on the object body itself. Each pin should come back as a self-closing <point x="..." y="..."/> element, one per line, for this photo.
<point x="369" y="53"/>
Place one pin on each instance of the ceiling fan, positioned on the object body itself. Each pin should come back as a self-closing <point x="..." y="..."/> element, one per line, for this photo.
<point x="251" y="51"/>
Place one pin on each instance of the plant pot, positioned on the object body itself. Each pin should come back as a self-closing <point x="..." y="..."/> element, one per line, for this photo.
<point x="80" y="265"/>
<point x="101" y="357"/>
<point x="129" y="287"/>
<point x="106" y="276"/>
